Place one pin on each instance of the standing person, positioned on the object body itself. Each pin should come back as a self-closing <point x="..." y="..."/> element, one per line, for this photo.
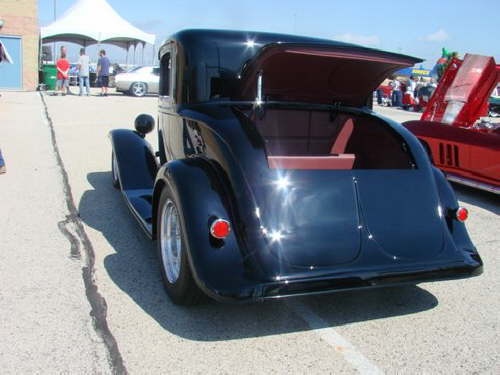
<point x="62" y="66"/>
<point x="3" y="168"/>
<point x="103" y="72"/>
<point x="409" y="96"/>
<point x="83" y="69"/>
<point x="396" y="93"/>
<point x="65" y="52"/>
<point x="379" y="93"/>
<point x="4" y="57"/>
<point x="420" y="84"/>
<point x="432" y="84"/>
<point x="411" y="86"/>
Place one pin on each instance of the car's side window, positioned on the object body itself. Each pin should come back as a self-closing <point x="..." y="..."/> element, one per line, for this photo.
<point x="156" y="71"/>
<point x="165" y="74"/>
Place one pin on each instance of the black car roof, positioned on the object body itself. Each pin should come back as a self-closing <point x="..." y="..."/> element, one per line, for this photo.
<point x="213" y="61"/>
<point x="227" y="38"/>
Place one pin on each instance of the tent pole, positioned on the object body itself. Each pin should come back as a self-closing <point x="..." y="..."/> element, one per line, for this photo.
<point x="126" y="58"/>
<point x="99" y="47"/>
<point x="54" y="45"/>
<point x="135" y="45"/>
<point x="154" y="53"/>
<point x="143" y="45"/>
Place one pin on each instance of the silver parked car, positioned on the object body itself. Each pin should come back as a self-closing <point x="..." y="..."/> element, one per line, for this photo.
<point x="139" y="81"/>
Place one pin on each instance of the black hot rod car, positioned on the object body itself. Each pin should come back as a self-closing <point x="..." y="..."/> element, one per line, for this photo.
<point x="275" y="178"/>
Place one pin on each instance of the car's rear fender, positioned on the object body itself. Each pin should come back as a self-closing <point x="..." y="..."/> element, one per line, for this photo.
<point x="216" y="264"/>
<point x="449" y="204"/>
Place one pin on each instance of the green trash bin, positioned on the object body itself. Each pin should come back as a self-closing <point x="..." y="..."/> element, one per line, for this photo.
<point x="50" y="76"/>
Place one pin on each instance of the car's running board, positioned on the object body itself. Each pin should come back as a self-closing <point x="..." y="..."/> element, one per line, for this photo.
<point x="136" y="166"/>
<point x="478" y="185"/>
<point x="140" y="203"/>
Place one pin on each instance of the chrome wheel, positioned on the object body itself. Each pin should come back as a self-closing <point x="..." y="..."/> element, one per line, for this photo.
<point x="115" y="168"/>
<point x="114" y="171"/>
<point x="170" y="241"/>
<point x="138" y="89"/>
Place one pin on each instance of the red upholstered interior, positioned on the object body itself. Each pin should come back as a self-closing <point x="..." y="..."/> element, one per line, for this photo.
<point x="313" y="139"/>
<point x="315" y="74"/>
<point x="342" y="161"/>
<point x="299" y="132"/>
<point x="298" y="139"/>
<point x="343" y="137"/>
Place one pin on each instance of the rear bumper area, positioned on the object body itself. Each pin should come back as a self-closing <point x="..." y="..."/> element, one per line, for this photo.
<point x="349" y="281"/>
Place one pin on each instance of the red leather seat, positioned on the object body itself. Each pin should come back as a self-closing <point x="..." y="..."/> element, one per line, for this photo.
<point x="343" y="137"/>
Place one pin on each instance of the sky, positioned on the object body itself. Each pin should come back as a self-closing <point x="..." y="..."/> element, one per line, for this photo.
<point x="419" y="28"/>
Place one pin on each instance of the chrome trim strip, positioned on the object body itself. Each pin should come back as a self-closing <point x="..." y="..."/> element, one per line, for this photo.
<point x="474" y="184"/>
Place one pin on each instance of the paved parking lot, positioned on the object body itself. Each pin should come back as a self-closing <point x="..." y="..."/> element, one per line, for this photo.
<point x="81" y="289"/>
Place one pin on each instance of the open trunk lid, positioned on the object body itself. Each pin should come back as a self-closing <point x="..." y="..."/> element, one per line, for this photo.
<point x="319" y="73"/>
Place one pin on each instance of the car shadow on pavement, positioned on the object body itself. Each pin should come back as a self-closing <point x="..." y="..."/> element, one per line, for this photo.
<point x="476" y="197"/>
<point x="135" y="270"/>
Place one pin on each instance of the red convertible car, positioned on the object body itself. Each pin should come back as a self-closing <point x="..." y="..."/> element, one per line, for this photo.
<point x="466" y="150"/>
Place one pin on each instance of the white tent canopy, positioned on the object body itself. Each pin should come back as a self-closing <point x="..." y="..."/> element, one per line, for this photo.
<point x="94" y="21"/>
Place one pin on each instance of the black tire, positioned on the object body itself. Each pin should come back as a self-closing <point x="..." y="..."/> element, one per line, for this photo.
<point x="138" y="89"/>
<point x="115" y="179"/>
<point x="184" y="290"/>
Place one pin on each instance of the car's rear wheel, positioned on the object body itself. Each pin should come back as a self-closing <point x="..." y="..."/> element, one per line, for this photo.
<point x="171" y="243"/>
<point x="115" y="178"/>
<point x="138" y="89"/>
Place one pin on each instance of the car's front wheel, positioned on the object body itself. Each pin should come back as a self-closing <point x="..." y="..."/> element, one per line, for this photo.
<point x="138" y="89"/>
<point x="171" y="243"/>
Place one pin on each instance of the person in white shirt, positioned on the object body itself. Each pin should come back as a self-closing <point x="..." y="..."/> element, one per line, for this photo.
<point x="396" y="93"/>
<point x="83" y="68"/>
<point x="411" y="86"/>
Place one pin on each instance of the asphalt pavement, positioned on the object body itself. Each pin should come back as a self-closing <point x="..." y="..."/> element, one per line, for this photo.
<point x="81" y="290"/>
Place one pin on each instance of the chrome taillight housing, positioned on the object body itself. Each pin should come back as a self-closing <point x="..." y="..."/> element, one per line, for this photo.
<point x="220" y="229"/>
<point x="461" y="214"/>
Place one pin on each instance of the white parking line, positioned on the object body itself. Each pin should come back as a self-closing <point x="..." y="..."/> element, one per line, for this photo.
<point x="333" y="338"/>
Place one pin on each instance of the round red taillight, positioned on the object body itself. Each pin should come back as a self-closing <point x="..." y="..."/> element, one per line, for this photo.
<point x="462" y="214"/>
<point x="220" y="229"/>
